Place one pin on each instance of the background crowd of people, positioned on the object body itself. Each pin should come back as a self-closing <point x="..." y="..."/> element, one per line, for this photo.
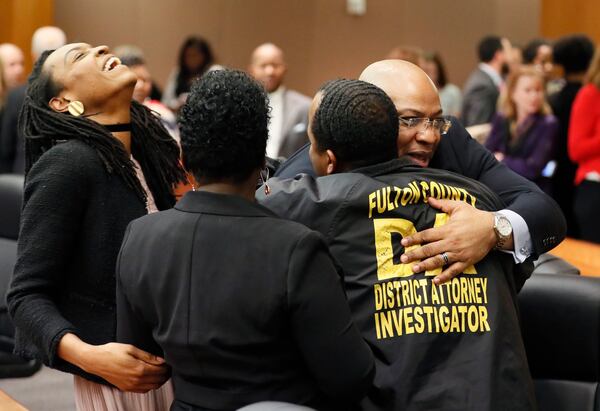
<point x="518" y="103"/>
<point x="218" y="279"/>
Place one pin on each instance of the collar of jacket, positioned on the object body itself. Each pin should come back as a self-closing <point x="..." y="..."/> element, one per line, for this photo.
<point x="221" y="204"/>
<point x="387" y="167"/>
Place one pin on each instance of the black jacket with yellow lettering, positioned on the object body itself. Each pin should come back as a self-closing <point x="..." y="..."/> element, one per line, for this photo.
<point x="451" y="347"/>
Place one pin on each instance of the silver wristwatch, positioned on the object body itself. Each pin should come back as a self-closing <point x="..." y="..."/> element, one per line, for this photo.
<point x="503" y="230"/>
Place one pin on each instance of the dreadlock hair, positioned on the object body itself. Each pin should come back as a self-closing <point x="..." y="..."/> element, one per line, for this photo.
<point x="357" y="121"/>
<point x="155" y="150"/>
<point x="223" y="126"/>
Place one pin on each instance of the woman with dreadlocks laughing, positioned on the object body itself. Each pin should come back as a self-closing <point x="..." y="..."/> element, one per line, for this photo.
<point x="85" y="139"/>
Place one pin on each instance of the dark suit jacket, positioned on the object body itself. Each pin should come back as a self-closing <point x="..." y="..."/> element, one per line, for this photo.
<point x="460" y="153"/>
<point x="563" y="189"/>
<point x="295" y="122"/>
<point x="479" y="99"/>
<point x="363" y="214"/>
<point x="12" y="145"/>
<point x="246" y="306"/>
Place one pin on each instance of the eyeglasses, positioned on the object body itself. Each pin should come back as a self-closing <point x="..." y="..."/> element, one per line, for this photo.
<point x="440" y="125"/>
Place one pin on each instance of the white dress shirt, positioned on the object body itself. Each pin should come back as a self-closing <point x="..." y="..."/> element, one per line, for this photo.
<point x="276" y="123"/>
<point x="521" y="237"/>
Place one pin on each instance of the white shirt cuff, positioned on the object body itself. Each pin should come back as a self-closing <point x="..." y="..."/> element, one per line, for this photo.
<point x="521" y="237"/>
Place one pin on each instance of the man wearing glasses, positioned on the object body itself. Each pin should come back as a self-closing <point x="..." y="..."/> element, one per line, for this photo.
<point x="531" y="223"/>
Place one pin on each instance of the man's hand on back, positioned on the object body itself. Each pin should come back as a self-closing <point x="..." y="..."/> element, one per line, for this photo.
<point x="466" y="239"/>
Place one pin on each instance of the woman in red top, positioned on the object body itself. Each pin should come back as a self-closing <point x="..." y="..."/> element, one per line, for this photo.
<point x="584" y="149"/>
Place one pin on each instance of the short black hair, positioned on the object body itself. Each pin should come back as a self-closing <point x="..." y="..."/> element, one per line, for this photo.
<point x="531" y="49"/>
<point x="357" y="121"/>
<point x="223" y="126"/>
<point x="574" y="53"/>
<point x="487" y="48"/>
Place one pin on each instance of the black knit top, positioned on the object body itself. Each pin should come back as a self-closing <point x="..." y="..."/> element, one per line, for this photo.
<point x="73" y="221"/>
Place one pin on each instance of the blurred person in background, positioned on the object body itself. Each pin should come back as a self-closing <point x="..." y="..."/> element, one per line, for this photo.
<point x="515" y="59"/>
<point x="584" y="149"/>
<point x="12" y="145"/>
<point x="289" y="109"/>
<point x="538" y="53"/>
<point x="135" y="52"/>
<point x="2" y="94"/>
<point x="524" y="131"/>
<point x="450" y="95"/>
<point x="573" y="54"/>
<point x="481" y="91"/>
<point x="133" y="57"/>
<point x="411" y="54"/>
<point x="195" y="59"/>
<point x="14" y="65"/>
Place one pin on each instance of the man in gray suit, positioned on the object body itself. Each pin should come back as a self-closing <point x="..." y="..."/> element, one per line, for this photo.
<point x="481" y="90"/>
<point x="289" y="109"/>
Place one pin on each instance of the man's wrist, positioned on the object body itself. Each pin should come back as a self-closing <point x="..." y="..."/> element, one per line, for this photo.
<point x="504" y="232"/>
<point x="522" y="247"/>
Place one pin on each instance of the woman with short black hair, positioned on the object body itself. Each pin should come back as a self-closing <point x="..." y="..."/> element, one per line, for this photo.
<point x="245" y="306"/>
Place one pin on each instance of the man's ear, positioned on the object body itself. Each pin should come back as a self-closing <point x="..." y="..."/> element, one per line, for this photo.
<point x="332" y="163"/>
<point x="59" y="104"/>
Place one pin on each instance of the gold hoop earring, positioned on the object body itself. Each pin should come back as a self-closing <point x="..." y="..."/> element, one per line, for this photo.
<point x="75" y="108"/>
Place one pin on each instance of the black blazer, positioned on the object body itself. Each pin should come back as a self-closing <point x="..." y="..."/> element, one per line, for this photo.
<point x="72" y="225"/>
<point x="460" y="153"/>
<point x="244" y="305"/>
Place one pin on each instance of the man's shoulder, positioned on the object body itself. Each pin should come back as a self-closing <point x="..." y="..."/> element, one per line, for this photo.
<point x="297" y="97"/>
<point x="477" y="79"/>
<point x="309" y="200"/>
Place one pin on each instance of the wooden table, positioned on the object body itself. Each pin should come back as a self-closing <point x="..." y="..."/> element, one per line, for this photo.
<point x="582" y="254"/>
<point x="8" y="404"/>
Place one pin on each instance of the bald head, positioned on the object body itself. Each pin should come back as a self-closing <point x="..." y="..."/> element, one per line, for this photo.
<point x="47" y="38"/>
<point x="403" y="81"/>
<point x="267" y="50"/>
<point x="414" y="95"/>
<point x="267" y="65"/>
<point x="13" y="63"/>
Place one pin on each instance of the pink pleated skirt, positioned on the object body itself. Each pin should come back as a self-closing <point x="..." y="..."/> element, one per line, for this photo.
<point x="90" y="396"/>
